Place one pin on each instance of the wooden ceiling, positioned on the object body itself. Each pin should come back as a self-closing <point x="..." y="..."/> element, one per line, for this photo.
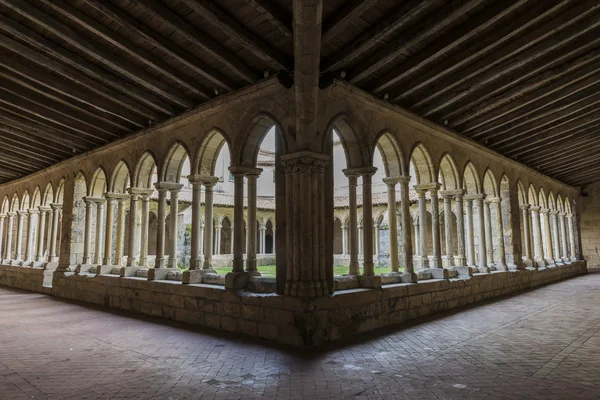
<point x="519" y="76"/>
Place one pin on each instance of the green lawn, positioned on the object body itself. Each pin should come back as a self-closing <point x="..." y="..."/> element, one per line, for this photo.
<point x="269" y="270"/>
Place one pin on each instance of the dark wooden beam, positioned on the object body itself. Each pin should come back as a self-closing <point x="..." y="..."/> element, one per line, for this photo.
<point x="20" y="146"/>
<point x="15" y="149"/>
<point x="34" y="142"/>
<point x="279" y="18"/>
<point x="592" y="159"/>
<point x="19" y="162"/>
<point x="212" y="48"/>
<point x="232" y="28"/>
<point x="569" y="150"/>
<point x="7" y="165"/>
<point x="402" y="17"/>
<point x="343" y="17"/>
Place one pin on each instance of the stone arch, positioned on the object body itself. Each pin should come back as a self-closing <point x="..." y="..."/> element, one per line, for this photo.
<point x="343" y="125"/>
<point x="5" y="205"/>
<point x="121" y="177"/>
<point x="542" y="199"/>
<point x="208" y="152"/>
<point x="448" y="175"/>
<point x="25" y="200"/>
<point x="15" y="202"/>
<point x="98" y="184"/>
<point x="391" y="153"/>
<point x="36" y="199"/>
<point x="144" y="170"/>
<point x="560" y="204"/>
<point x="522" y="194"/>
<point x="490" y="184"/>
<point x="551" y="201"/>
<point x="422" y="169"/>
<point x="60" y="191"/>
<point x="48" y="196"/>
<point x="262" y="123"/>
<point x="568" y="208"/>
<point x="532" y="197"/>
<point x="337" y="236"/>
<point x="174" y="161"/>
<point x="471" y="182"/>
<point x="226" y="235"/>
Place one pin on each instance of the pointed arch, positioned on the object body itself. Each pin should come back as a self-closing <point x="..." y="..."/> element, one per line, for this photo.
<point x="490" y="184"/>
<point x="448" y="175"/>
<point x="208" y="152"/>
<point x="173" y="162"/>
<point x="36" y="199"/>
<point x="15" y="203"/>
<point x="391" y="154"/>
<point x="260" y="126"/>
<point x="121" y="178"/>
<point x="542" y="198"/>
<point x="98" y="184"/>
<point x="522" y="193"/>
<point x="48" y="197"/>
<point x="421" y="165"/>
<point x="568" y="208"/>
<point x="532" y="196"/>
<point x="471" y="182"/>
<point x="60" y="191"/>
<point x="25" y="201"/>
<point x="5" y="205"/>
<point x="560" y="204"/>
<point x="343" y="126"/>
<point x="551" y="201"/>
<point x="144" y="170"/>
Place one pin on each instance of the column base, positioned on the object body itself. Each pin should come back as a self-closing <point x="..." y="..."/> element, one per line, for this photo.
<point x="27" y="264"/>
<point x="128" y="271"/>
<point x="436" y="263"/>
<point x="195" y="275"/>
<point x="370" y="281"/>
<point x="368" y="266"/>
<point x="408" y="277"/>
<point x="501" y="267"/>
<point x="483" y="269"/>
<point x="251" y="268"/>
<point x="38" y="264"/>
<point x="51" y="266"/>
<point x="172" y="263"/>
<point x="207" y="264"/>
<point x="105" y="269"/>
<point x="540" y="263"/>
<point x="565" y="260"/>
<point x="158" y="274"/>
<point x="436" y="273"/>
<point x="354" y="269"/>
<point x="421" y="262"/>
<point x="464" y="271"/>
<point x="236" y="280"/>
<point x="84" y="268"/>
<point x="449" y="260"/>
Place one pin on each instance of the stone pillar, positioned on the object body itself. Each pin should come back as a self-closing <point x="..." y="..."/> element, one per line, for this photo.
<point x="238" y="217"/>
<point x="344" y="240"/>
<point x="353" y="217"/>
<point x="133" y="206"/>
<point x="547" y="230"/>
<point x="108" y="231"/>
<point x="21" y="215"/>
<point x="87" y="240"/>
<point x="217" y="241"/>
<point x="99" y="218"/>
<point x="306" y="274"/>
<point x="537" y="236"/>
<point x="367" y="200"/>
<point x="174" y="189"/>
<point x="30" y="245"/>
<point x="470" y="232"/>
<point x="460" y="230"/>
<point x="393" y="223"/>
<point x="263" y="239"/>
<point x="417" y="246"/>
<point x="571" y="237"/>
<point x="563" y="237"/>
<point x="209" y="184"/>
<point x="11" y="221"/>
<point x="196" y="181"/>
<point x="2" y="238"/>
<point x="376" y="241"/>
<point x="145" y="228"/>
<point x="527" y="256"/>
<point x="423" y="256"/>
<point x="251" y="177"/>
<point x="160" y="224"/>
<point x="555" y="242"/>
<point x="39" y="256"/>
<point x="478" y="201"/>
<point x="55" y="227"/>
<point x="121" y="201"/>
<point x="435" y="227"/>
<point x="448" y="228"/>
<point x="405" y="219"/>
<point x="499" y="234"/>
<point x="489" y="245"/>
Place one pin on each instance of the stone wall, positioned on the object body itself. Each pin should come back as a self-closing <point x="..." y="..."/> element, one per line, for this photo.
<point x="590" y="226"/>
<point x="289" y="320"/>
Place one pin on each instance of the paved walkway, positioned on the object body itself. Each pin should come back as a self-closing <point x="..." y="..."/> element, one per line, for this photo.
<point x="544" y="344"/>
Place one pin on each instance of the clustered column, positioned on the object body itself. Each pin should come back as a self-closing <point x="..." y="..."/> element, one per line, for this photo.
<point x="39" y="256"/>
<point x="525" y="216"/>
<point x="2" y="217"/>
<point x="21" y="215"/>
<point x="460" y="229"/>
<point x="563" y="236"/>
<point x="99" y="221"/>
<point x="545" y="214"/>
<point x="423" y="259"/>
<point x="435" y="227"/>
<point x="367" y="198"/>
<point x="409" y="270"/>
<point x="29" y="246"/>
<point x="537" y="236"/>
<point x="448" y="228"/>
<point x="56" y="209"/>
<point x="161" y="219"/>
<point x="470" y="232"/>
<point x="108" y="232"/>
<point x="556" y="247"/>
<point x="209" y="184"/>
<point x="393" y="224"/>
<point x="145" y="196"/>
<point x="501" y="262"/>
<point x="489" y="244"/>
<point x="251" y="176"/>
<point x="174" y="189"/>
<point x="571" y="237"/>
<point x="353" y="219"/>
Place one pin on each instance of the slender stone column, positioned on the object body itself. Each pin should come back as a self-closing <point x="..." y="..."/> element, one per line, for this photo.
<point x="174" y="189"/>
<point x="238" y="217"/>
<point x="307" y="267"/>
<point x="470" y="232"/>
<point x="21" y="215"/>
<point x="417" y="247"/>
<point x="218" y="238"/>
<point x="145" y="226"/>
<point x="527" y="256"/>
<point x="55" y="227"/>
<point x="121" y="201"/>
<point x="392" y="222"/>
<point x="448" y="229"/>
<point x="367" y="200"/>
<point x="201" y="248"/>
<point x="423" y="256"/>
<point x="251" y="177"/>
<point x="161" y="224"/>
<point x="108" y="228"/>
<point x="555" y="236"/>
<point x="2" y="239"/>
<point x="30" y="245"/>
<point x="353" y="216"/>
<point x="537" y="236"/>
<point x="87" y="240"/>
<point x="489" y="245"/>
<point x="9" y="236"/>
<point x="344" y="240"/>
<point x="133" y="206"/>
<point x="405" y="219"/>
<point x="435" y="227"/>
<point x="48" y="234"/>
<point x="263" y="237"/>
<point x="563" y="237"/>
<point x="39" y="256"/>
<point x="460" y="230"/>
<point x="478" y="201"/>
<point x="196" y="181"/>
<point x="209" y="184"/>
<point x="548" y="233"/>
<point x="376" y="237"/>
<point x="570" y="233"/>
<point x="501" y="262"/>
<point x="99" y="218"/>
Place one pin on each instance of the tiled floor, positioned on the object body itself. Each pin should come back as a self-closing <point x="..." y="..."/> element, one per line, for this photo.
<point x="544" y="344"/>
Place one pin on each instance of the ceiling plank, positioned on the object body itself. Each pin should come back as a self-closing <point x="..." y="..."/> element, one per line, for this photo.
<point x="33" y="141"/>
<point x="280" y="19"/>
<point x="343" y="17"/>
<point x="21" y="147"/>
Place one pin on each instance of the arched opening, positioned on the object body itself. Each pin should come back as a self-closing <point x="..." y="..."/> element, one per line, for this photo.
<point x="423" y="180"/>
<point x="77" y="244"/>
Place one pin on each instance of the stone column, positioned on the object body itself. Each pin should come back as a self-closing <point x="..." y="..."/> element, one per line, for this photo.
<point x="409" y="270"/>
<point x="555" y="234"/>
<point x="217" y="241"/>
<point x="133" y="206"/>
<point x="571" y="237"/>
<point x="251" y="177"/>
<point x="174" y="189"/>
<point x="527" y="256"/>
<point x="435" y="227"/>
<point x="87" y="240"/>
<point x="460" y="230"/>
<point x="470" y="232"/>
<point x="121" y="201"/>
<point x="21" y="215"/>
<point x="499" y="234"/>
<point x="478" y="201"/>
<point x="39" y="256"/>
<point x="2" y="238"/>
<point x="55" y="227"/>
<point x="423" y="256"/>
<point x="99" y="218"/>
<point x="448" y="228"/>
<point x="209" y="184"/>
<point x="30" y="245"/>
<point x="489" y="245"/>
<point x="563" y="237"/>
<point x="393" y="223"/>
<point x="537" y="236"/>
<point x="11" y="221"/>
<point x="544" y="213"/>
<point x="238" y="217"/>
<point x="417" y="246"/>
<point x="376" y="237"/>
<point x="196" y="181"/>
<point x="160" y="224"/>
<point x="353" y="217"/>
<point x="367" y="200"/>
<point x="108" y="231"/>
<point x="344" y="240"/>
<point x="145" y="227"/>
<point x="263" y="238"/>
<point x="307" y="267"/>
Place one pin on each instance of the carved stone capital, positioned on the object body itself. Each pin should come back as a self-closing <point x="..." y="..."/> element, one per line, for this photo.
<point x="305" y="162"/>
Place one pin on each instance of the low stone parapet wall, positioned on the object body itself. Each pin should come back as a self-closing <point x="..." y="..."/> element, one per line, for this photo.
<point x="289" y="320"/>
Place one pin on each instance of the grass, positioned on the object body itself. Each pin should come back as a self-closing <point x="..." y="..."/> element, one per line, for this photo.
<point x="269" y="270"/>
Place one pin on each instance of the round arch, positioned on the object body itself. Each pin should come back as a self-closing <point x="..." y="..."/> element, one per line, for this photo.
<point x="471" y="182"/>
<point x="48" y="196"/>
<point x="343" y="126"/>
<point x="261" y="125"/>
<point x="144" y="170"/>
<point x="421" y="164"/>
<point x="121" y="178"/>
<point x="205" y="160"/>
<point x="15" y="202"/>
<point x="174" y="161"/>
<point x="36" y="199"/>
<point x="98" y="184"/>
<point x="448" y="175"/>
<point x="391" y="153"/>
<point x="532" y="197"/>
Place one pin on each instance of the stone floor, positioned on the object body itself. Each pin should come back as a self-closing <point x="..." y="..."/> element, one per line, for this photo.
<point x="543" y="344"/>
